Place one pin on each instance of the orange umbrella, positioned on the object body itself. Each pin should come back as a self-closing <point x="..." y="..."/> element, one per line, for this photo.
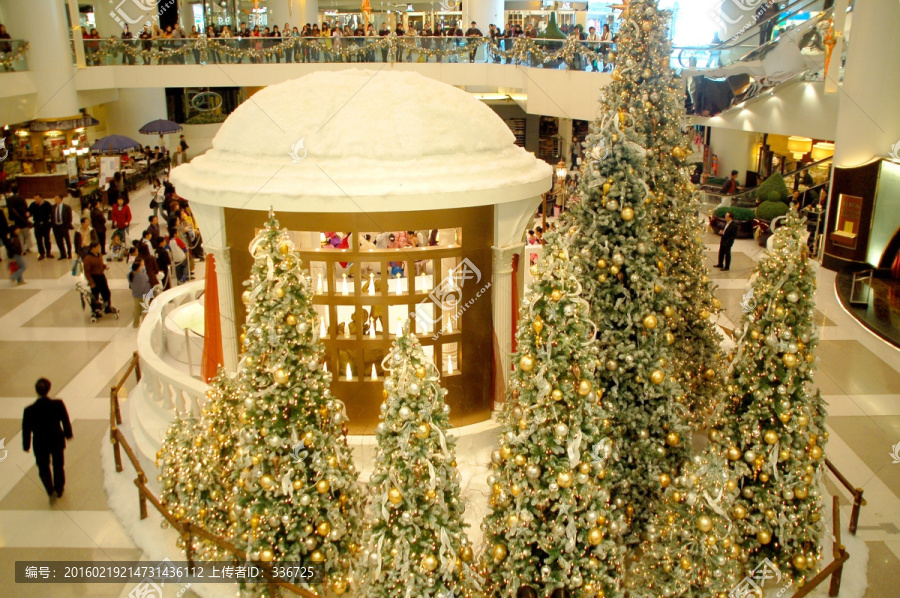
<point x="213" y="354"/>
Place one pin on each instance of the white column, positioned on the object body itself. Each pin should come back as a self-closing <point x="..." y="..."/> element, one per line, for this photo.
<point x="43" y="24"/>
<point x="868" y="120"/>
<point x="483" y="12"/>
<point x="296" y="12"/>
<point x="501" y="296"/>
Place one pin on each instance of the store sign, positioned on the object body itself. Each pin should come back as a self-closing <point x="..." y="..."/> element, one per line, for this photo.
<point x="72" y="169"/>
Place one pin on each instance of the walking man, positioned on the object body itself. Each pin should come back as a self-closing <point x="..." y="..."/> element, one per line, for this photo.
<point x="48" y="422"/>
<point x="62" y="224"/>
<point x="41" y="214"/>
<point x="729" y="234"/>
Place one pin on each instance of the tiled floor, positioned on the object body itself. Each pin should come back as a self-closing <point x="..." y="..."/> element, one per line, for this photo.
<point x="44" y="332"/>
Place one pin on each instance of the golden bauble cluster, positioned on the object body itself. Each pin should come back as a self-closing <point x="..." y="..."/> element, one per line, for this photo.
<point x="280" y="376"/>
<point x="323" y="486"/>
<point x="422" y="431"/>
<point x="704" y="523"/>
<point x="430" y="562"/>
<point x="395" y="496"/>
<point x="789" y="360"/>
<point x="664" y="480"/>
<point x="526" y="363"/>
<point x="420" y="372"/>
<point x="584" y="387"/>
<point x="764" y="537"/>
<point x="499" y="552"/>
<point x="770" y="436"/>
<point x="627" y="214"/>
<point x="595" y="536"/>
<point x="672" y="439"/>
<point x="291" y="320"/>
<point x="556" y="295"/>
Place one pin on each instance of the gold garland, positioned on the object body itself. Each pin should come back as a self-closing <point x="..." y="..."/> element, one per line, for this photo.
<point x="10" y="57"/>
<point x="523" y="50"/>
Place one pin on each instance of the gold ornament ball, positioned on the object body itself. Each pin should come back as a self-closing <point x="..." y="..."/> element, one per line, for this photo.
<point x="317" y="556"/>
<point x="556" y="394"/>
<point x="669" y="338"/>
<point x="785" y="417"/>
<point x="627" y="214"/>
<point x="650" y="322"/>
<point x="519" y="459"/>
<point x="799" y="562"/>
<point x="601" y="264"/>
<point x="395" y="496"/>
<point x="616" y="75"/>
<point x="595" y="536"/>
<point x="323" y="528"/>
<point x="657" y="377"/>
<point x="538" y="326"/>
<point x="505" y="452"/>
<point x="280" y="376"/>
<point x="665" y="480"/>
<point x="739" y="512"/>
<point x="291" y="320"/>
<point x="584" y="387"/>
<point x="710" y="374"/>
<point x="556" y="295"/>
<point x="266" y="555"/>
<point x="466" y="554"/>
<point x="685" y="563"/>
<point x="267" y="481"/>
<point x="789" y="359"/>
<point x="322" y="486"/>
<point x="816" y="453"/>
<point x="309" y="439"/>
<point x="430" y="562"/>
<point x="297" y="485"/>
<point x="420" y="372"/>
<point x="764" y="537"/>
<point x="279" y="292"/>
<point x="526" y="363"/>
<point x="245" y="297"/>
<point x="647" y="26"/>
<point x="784" y="455"/>
<point x="704" y="314"/>
<point x="430" y="494"/>
<point x="672" y="439"/>
<point x="770" y="514"/>
<point x="763" y="477"/>
<point x="499" y="552"/>
<point x="771" y="437"/>
<point x="339" y="586"/>
<point x="668" y="311"/>
<point x="423" y="431"/>
<point x="704" y="523"/>
<point x="677" y="152"/>
<point x="564" y="479"/>
<point x="803" y="421"/>
<point x="801" y="492"/>
<point x="754" y="334"/>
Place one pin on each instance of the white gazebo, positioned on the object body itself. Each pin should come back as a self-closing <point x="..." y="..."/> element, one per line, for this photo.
<point x="366" y="154"/>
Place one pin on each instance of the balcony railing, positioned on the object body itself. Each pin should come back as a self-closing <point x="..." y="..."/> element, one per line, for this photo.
<point x="546" y="53"/>
<point x="12" y="55"/>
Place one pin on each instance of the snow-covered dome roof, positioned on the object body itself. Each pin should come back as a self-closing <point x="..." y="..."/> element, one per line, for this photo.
<point x="362" y="140"/>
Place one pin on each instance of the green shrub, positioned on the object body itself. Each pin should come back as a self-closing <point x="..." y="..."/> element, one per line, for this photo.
<point x="740" y="214"/>
<point x="206" y="118"/>
<point x="770" y="210"/>
<point x="716" y="181"/>
<point x="772" y="189"/>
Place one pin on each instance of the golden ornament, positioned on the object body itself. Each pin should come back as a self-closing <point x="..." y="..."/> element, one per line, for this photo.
<point x="339" y="586"/>
<point x="734" y="453"/>
<point x="704" y="314"/>
<point x="764" y="537"/>
<point x="816" y="453"/>
<point x="499" y="552"/>
<point x="266" y="555"/>
<point x="505" y="452"/>
<point x="564" y="479"/>
<point x="556" y="394"/>
<point x="430" y="562"/>
<point x="665" y="480"/>
<point x="669" y="337"/>
<point x="297" y="484"/>
<point x="317" y="556"/>
<point x="601" y="264"/>
<point x="465" y="553"/>
<point x="668" y="311"/>
<point x="595" y="536"/>
<point x="627" y="214"/>
<point x="799" y="562"/>
<point x="657" y="377"/>
<point x="763" y="477"/>
<point x="280" y="376"/>
<point x="784" y="455"/>
<point x="422" y="431"/>
<point x="779" y="312"/>
<point x="770" y="436"/>
<point x="710" y="374"/>
<point x="279" y="292"/>
<point x="245" y="297"/>
<point x="584" y="387"/>
<point x="803" y="420"/>
<point x="309" y="439"/>
<point x="331" y="461"/>
<point x="685" y="563"/>
<point x="650" y="322"/>
<point x="801" y="492"/>
<point x="672" y="439"/>
<point x="556" y="295"/>
<point x="291" y="320"/>
<point x="322" y="486"/>
<point x="526" y="363"/>
<point x="789" y="360"/>
<point x="395" y="496"/>
<point x="323" y="528"/>
<point x="770" y="514"/>
<point x="430" y="494"/>
<point x="420" y="372"/>
<point x="647" y="26"/>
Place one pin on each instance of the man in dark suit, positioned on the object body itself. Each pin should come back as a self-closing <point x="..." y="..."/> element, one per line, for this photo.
<point x="98" y="223"/>
<point x="729" y="234"/>
<point x="41" y="214"/>
<point x="48" y="421"/>
<point x="61" y="221"/>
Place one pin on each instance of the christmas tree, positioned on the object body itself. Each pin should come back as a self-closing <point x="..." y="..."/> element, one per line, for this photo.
<point x="625" y="277"/>
<point x="416" y="543"/>
<point x="774" y="429"/>
<point x="689" y="546"/>
<point x="552" y="525"/>
<point x="653" y="97"/>
<point x="297" y="496"/>
<point x="197" y="463"/>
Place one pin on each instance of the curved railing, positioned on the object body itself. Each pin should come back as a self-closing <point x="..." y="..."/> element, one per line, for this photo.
<point x="12" y="55"/>
<point x="165" y="384"/>
<point x="522" y="51"/>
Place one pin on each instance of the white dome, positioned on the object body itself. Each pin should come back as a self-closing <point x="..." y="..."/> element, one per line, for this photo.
<point x="353" y="140"/>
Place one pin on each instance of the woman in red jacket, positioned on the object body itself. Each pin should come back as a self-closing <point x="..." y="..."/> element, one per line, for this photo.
<point x="120" y="216"/>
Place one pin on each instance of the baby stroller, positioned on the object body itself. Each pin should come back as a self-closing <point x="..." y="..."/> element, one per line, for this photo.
<point x="117" y="248"/>
<point x="97" y="307"/>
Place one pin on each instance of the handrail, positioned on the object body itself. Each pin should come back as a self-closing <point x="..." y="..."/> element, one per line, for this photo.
<point x="186" y="529"/>
<point x="804" y="168"/>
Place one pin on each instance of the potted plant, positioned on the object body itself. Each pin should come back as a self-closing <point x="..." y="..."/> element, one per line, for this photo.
<point x="773" y="197"/>
<point x="742" y="216"/>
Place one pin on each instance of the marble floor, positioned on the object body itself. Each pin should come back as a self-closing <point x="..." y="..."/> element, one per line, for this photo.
<point x="44" y="332"/>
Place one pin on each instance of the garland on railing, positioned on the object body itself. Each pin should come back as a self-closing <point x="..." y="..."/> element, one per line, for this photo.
<point x="523" y="50"/>
<point x="8" y="58"/>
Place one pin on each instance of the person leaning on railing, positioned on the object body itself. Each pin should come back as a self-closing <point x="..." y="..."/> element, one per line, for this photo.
<point x="127" y="46"/>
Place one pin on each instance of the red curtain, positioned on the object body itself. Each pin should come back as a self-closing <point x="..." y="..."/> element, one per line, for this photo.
<point x="213" y="354"/>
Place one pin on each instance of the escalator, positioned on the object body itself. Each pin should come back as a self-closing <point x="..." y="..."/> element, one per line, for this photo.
<point x="724" y="75"/>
